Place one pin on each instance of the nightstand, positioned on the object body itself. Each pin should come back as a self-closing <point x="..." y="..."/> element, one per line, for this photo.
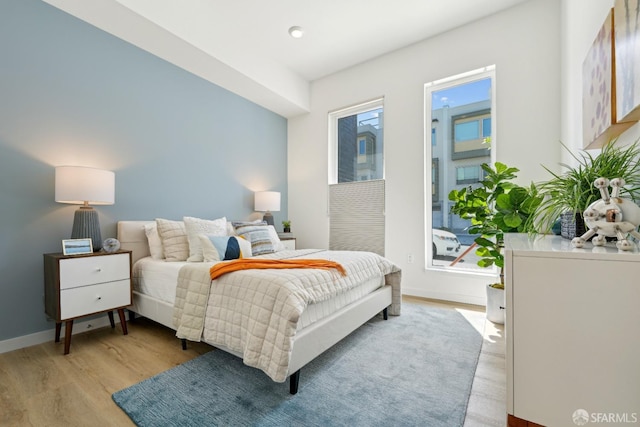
<point x="81" y="285"/>
<point x="288" y="242"/>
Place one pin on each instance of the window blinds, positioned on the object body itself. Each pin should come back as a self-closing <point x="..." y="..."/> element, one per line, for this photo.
<point x="356" y="216"/>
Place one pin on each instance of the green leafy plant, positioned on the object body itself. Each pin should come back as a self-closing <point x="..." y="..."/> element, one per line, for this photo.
<point x="498" y="206"/>
<point x="573" y="190"/>
<point x="286" y="224"/>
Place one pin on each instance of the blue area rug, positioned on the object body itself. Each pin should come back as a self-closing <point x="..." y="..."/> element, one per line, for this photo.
<point x="412" y="370"/>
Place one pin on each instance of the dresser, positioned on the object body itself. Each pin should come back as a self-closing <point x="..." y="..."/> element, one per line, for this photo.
<point x="82" y="285"/>
<point x="572" y="332"/>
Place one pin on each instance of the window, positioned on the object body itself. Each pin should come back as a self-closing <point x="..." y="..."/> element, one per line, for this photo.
<point x="469" y="174"/>
<point x="460" y="111"/>
<point x="357" y="143"/>
<point x="356" y="178"/>
<point x="470" y="131"/>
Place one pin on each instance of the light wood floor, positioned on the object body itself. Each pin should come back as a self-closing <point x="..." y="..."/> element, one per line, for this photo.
<point x="41" y="387"/>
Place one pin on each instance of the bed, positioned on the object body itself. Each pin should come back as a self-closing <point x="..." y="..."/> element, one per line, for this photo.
<point x="181" y="296"/>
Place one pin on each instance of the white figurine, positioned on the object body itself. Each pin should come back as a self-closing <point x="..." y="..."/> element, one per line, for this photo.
<point x="611" y="216"/>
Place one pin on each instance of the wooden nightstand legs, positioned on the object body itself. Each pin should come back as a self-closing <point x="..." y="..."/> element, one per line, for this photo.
<point x="123" y="321"/>
<point x="68" y="328"/>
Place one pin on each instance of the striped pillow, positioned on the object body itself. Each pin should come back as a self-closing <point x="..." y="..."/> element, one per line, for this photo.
<point x="259" y="237"/>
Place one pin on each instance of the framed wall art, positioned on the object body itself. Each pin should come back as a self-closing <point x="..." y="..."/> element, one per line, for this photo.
<point x="599" y="118"/>
<point x="627" y="59"/>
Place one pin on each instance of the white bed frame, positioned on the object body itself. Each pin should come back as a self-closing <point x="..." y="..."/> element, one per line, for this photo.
<point x="308" y="343"/>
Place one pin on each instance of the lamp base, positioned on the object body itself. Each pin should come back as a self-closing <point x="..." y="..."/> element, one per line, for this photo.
<point x="268" y="218"/>
<point x="87" y="226"/>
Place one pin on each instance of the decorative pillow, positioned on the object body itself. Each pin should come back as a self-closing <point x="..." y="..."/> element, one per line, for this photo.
<point x="275" y="239"/>
<point x="196" y="226"/>
<point x="223" y="248"/>
<point x="173" y="235"/>
<point x="244" y="223"/>
<point x="155" y="244"/>
<point x="244" y="226"/>
<point x="259" y="236"/>
<point x="230" y="230"/>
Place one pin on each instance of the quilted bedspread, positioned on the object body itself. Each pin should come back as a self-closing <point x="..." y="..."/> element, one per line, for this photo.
<point x="255" y="313"/>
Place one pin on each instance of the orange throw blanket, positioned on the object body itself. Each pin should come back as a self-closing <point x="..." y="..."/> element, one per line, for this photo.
<point x="248" y="263"/>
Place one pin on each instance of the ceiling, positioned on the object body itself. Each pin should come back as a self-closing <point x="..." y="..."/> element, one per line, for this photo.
<point x="244" y="45"/>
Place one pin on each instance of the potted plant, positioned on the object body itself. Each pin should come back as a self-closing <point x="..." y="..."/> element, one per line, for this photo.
<point x="286" y="224"/>
<point x="496" y="207"/>
<point x="568" y="194"/>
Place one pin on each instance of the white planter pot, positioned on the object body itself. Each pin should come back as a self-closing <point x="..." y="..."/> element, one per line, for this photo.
<point x="495" y="305"/>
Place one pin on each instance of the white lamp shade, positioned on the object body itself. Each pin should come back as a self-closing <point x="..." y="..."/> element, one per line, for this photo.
<point x="267" y="201"/>
<point x="78" y="184"/>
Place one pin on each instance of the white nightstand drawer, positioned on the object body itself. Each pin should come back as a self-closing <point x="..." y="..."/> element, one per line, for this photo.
<point x="289" y="243"/>
<point x="84" y="271"/>
<point x="95" y="298"/>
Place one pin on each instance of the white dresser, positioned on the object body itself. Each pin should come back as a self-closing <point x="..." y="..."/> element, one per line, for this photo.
<point x="572" y="332"/>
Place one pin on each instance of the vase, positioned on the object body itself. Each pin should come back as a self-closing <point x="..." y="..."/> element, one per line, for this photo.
<point x="495" y="305"/>
<point x="572" y="225"/>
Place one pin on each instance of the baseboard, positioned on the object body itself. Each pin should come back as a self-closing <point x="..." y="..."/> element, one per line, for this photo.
<point x="48" y="335"/>
<point x="444" y="296"/>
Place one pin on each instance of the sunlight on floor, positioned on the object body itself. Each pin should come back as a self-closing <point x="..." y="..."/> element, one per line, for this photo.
<point x="475" y="318"/>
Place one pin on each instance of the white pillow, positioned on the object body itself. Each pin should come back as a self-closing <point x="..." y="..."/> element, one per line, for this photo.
<point x="275" y="239"/>
<point x="155" y="244"/>
<point x="222" y="248"/>
<point x="231" y="231"/>
<point x="196" y="226"/>
<point x="174" y="239"/>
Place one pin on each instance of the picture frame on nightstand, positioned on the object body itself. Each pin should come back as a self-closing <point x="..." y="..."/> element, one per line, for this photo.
<point x="77" y="246"/>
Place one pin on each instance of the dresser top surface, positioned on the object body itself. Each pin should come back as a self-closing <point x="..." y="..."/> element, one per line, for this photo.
<point x="557" y="246"/>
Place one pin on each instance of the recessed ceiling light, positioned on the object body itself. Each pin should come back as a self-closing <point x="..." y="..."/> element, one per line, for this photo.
<point x="296" y="32"/>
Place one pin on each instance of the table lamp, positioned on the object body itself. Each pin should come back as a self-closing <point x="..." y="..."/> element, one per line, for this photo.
<point x="83" y="186"/>
<point x="267" y="202"/>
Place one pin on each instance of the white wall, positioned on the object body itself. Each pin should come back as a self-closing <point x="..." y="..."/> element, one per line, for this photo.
<point x="523" y="43"/>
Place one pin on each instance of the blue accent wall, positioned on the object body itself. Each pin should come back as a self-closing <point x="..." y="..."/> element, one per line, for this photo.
<point x="71" y="94"/>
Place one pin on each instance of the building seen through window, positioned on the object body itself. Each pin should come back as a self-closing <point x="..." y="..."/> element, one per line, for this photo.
<point x="360" y="146"/>
<point x="461" y="119"/>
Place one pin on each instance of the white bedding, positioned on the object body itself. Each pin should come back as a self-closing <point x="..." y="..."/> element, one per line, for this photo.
<point x="159" y="287"/>
<point x="255" y="313"/>
<point x="158" y="279"/>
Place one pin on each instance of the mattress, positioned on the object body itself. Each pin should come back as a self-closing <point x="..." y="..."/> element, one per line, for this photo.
<point x="158" y="279"/>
